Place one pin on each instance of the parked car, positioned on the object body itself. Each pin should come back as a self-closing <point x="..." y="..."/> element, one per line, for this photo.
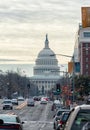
<point x="30" y="102"/>
<point x="10" y="122"/>
<point x="57" y="117"/>
<point x="14" y="101"/>
<point x="7" y="104"/>
<point x="62" y="121"/>
<point x="79" y="116"/>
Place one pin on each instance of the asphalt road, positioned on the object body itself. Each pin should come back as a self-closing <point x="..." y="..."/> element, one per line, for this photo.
<point x="39" y="117"/>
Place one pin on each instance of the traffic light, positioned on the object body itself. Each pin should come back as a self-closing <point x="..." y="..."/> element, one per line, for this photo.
<point x="58" y="88"/>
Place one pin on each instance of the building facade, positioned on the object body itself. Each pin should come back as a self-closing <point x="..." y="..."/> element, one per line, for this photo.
<point x="46" y="70"/>
<point x="84" y="50"/>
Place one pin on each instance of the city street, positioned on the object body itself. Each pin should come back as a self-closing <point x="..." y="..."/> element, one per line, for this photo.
<point x="39" y="117"/>
<point x="44" y="65"/>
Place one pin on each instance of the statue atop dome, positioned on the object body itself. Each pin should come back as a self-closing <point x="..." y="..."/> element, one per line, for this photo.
<point x="46" y="42"/>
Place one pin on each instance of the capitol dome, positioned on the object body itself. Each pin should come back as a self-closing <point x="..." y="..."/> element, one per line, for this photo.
<point x="46" y="61"/>
<point x="46" y="52"/>
<point x="46" y="70"/>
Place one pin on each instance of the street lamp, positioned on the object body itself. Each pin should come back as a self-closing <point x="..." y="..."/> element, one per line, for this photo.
<point x="7" y="90"/>
<point x="28" y="89"/>
<point x="73" y="74"/>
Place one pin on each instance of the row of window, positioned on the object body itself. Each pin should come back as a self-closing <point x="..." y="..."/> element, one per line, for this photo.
<point x="39" y="71"/>
<point x="46" y="62"/>
<point x="49" y="82"/>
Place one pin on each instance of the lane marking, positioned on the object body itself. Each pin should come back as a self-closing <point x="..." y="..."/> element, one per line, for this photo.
<point x="21" y="105"/>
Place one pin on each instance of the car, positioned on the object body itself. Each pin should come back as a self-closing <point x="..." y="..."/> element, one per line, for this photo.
<point x="47" y="99"/>
<point x="36" y="98"/>
<point x="56" y="101"/>
<point x="30" y="102"/>
<point x="10" y="122"/>
<point x="20" y="98"/>
<point x="43" y="101"/>
<point x="7" y="104"/>
<point x="57" y="117"/>
<point x="62" y="121"/>
<point x="88" y="101"/>
<point x="14" y="101"/>
<point x="78" y="117"/>
<point x="56" y="105"/>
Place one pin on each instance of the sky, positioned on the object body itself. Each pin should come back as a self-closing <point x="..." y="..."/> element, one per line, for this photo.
<point x="24" y="24"/>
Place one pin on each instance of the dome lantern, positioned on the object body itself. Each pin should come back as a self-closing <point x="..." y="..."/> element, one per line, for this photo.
<point x="46" y="42"/>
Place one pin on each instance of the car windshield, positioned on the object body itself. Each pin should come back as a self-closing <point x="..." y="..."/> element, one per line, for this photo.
<point x="31" y="100"/>
<point x="60" y="112"/>
<point x="8" y="118"/>
<point x="5" y="102"/>
<point x="65" y="116"/>
<point x="81" y="119"/>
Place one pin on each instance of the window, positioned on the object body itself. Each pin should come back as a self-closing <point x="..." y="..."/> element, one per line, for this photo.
<point x="86" y="73"/>
<point x="8" y="118"/>
<point x="86" y="34"/>
<point x="86" y="66"/>
<point x="86" y="45"/>
<point x="86" y="52"/>
<point x="86" y="59"/>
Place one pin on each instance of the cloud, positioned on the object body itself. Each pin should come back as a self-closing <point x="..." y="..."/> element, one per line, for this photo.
<point x="7" y="60"/>
<point x="24" y="23"/>
<point x="36" y="11"/>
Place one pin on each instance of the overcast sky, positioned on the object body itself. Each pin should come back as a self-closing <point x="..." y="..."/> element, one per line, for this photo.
<point x="24" y="24"/>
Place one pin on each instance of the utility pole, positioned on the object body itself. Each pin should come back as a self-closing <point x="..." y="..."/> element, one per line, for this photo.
<point x="73" y="78"/>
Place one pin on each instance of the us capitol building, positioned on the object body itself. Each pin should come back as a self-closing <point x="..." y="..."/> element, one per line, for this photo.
<point x="46" y="71"/>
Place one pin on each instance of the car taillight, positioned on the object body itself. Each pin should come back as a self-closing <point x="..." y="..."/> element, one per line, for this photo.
<point x="61" y="122"/>
<point x="15" y="126"/>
